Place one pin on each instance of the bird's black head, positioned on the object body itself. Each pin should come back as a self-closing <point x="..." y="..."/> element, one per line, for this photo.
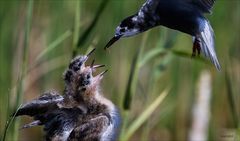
<point x="128" y="27"/>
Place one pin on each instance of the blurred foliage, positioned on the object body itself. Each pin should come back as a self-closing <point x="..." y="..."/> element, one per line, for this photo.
<point x="141" y="67"/>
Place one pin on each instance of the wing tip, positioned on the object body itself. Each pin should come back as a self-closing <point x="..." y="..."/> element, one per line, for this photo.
<point x="205" y="5"/>
<point x="207" y="44"/>
<point x="216" y="64"/>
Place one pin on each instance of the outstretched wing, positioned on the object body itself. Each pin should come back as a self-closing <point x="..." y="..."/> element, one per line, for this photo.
<point x="203" y="5"/>
<point x="40" y="105"/>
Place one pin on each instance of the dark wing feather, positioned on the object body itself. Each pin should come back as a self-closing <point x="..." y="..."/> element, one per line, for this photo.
<point x="203" y="5"/>
<point x="92" y="129"/>
<point x="40" y="105"/>
<point x="149" y="7"/>
<point x="59" y="123"/>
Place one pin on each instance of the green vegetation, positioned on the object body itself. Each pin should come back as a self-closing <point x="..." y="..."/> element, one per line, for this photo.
<point x="152" y="77"/>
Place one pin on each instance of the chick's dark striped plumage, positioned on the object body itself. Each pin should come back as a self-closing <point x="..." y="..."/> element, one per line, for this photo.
<point x="182" y="15"/>
<point x="81" y="114"/>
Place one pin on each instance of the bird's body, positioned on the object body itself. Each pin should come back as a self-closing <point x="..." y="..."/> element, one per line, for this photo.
<point x="182" y="15"/>
<point x="81" y="114"/>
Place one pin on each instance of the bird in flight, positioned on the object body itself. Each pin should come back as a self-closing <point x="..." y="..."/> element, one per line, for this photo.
<point x="183" y="15"/>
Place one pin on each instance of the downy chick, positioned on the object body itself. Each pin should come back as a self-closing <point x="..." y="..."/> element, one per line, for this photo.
<point x="182" y="15"/>
<point x="82" y="113"/>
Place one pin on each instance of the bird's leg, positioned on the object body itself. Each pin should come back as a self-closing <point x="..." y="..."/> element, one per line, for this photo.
<point x="196" y="47"/>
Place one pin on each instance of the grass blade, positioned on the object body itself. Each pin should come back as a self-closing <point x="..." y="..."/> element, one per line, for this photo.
<point x="54" y="44"/>
<point x="187" y="55"/>
<point x="162" y="48"/>
<point x="8" y="123"/>
<point x="132" y="81"/>
<point x="87" y="32"/>
<point x="130" y="85"/>
<point x="145" y="115"/>
<point x="24" y="63"/>
<point x="231" y="100"/>
<point x="76" y="28"/>
<point x="152" y="54"/>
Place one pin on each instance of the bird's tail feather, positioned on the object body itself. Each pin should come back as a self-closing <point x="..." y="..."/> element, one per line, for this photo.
<point x="206" y="38"/>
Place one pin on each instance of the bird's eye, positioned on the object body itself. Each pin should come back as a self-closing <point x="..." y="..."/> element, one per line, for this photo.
<point x="122" y="29"/>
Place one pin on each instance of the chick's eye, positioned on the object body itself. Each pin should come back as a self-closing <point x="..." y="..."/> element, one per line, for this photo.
<point x="80" y="64"/>
<point x="88" y="76"/>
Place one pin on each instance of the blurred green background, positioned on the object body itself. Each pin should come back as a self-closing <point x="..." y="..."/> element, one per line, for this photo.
<point x="38" y="39"/>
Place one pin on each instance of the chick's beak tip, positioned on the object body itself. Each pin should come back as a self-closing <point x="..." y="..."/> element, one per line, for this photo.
<point x="92" y="64"/>
<point x="91" y="52"/>
<point x="102" y="73"/>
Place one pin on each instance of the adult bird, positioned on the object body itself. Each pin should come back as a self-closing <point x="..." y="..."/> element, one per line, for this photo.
<point x="182" y="15"/>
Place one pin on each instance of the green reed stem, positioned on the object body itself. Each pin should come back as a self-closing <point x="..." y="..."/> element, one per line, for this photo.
<point x="132" y="81"/>
<point x="24" y="63"/>
<point x="76" y="28"/>
<point x="145" y="115"/>
<point x="8" y="123"/>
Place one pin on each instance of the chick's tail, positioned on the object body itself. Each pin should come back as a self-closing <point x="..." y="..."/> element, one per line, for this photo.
<point x="32" y="124"/>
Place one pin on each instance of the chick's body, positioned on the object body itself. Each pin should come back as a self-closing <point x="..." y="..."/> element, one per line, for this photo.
<point x="81" y="114"/>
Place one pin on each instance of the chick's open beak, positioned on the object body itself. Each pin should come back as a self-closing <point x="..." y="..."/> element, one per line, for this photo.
<point x="98" y="66"/>
<point x="112" y="41"/>
<point x="92" y="66"/>
<point x="88" y="55"/>
<point x="102" y="73"/>
<point x="91" y="52"/>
